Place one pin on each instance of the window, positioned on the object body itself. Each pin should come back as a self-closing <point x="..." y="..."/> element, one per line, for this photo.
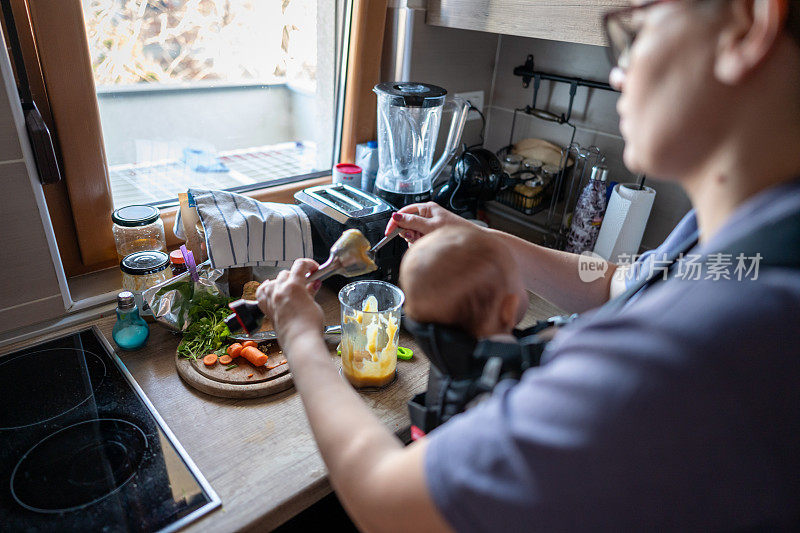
<point x="321" y="77"/>
<point x="225" y="94"/>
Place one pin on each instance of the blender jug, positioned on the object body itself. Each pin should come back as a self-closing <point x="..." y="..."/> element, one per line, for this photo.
<point x="409" y="115"/>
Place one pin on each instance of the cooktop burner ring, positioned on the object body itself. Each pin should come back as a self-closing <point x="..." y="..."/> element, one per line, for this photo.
<point x="39" y="481"/>
<point x="96" y="378"/>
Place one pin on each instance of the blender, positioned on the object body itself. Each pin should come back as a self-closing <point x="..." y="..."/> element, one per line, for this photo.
<point x="409" y="116"/>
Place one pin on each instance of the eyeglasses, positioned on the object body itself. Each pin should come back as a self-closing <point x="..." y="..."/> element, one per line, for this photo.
<point x="621" y="27"/>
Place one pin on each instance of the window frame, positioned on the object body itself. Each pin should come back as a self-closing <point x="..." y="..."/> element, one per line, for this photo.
<point x="55" y="48"/>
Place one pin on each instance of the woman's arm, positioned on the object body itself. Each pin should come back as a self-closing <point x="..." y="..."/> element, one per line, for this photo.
<point x="552" y="274"/>
<point x="380" y="482"/>
<point x="555" y="275"/>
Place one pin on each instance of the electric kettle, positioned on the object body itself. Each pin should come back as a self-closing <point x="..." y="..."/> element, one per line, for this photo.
<point x="409" y="116"/>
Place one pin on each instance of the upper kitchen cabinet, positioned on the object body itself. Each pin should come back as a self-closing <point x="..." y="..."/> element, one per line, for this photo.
<point x="576" y="22"/>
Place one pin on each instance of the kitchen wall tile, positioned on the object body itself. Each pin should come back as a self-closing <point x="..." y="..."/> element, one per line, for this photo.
<point x="9" y="141"/>
<point x="28" y="273"/>
<point x="459" y="61"/>
<point x="592" y="107"/>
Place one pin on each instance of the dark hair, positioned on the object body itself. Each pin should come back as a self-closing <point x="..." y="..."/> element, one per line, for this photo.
<point x="793" y="20"/>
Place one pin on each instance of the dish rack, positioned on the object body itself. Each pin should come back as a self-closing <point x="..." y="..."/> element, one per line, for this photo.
<point x="558" y="196"/>
<point x="527" y="202"/>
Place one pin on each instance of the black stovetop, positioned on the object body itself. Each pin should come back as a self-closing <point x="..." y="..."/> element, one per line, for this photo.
<point x="82" y="449"/>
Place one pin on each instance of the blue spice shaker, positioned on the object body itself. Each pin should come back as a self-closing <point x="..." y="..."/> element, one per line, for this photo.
<point x="130" y="331"/>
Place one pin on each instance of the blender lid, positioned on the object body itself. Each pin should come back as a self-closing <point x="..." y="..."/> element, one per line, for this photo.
<point x="412" y="93"/>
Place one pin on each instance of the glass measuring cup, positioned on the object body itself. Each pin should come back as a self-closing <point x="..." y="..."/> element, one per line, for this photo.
<point x="370" y="332"/>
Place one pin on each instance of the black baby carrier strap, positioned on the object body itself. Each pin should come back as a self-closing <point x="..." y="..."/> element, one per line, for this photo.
<point x="463" y="369"/>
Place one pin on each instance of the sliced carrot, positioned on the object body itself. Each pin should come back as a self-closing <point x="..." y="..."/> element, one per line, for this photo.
<point x="234" y="350"/>
<point x="210" y="359"/>
<point x="225" y="360"/>
<point x="247" y="344"/>
<point x="276" y="365"/>
<point x="249" y="375"/>
<point x="255" y="356"/>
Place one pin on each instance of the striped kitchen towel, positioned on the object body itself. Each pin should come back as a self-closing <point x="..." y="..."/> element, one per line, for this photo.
<point x="241" y="231"/>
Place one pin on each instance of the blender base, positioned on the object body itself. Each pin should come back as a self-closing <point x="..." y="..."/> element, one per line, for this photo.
<point x="399" y="200"/>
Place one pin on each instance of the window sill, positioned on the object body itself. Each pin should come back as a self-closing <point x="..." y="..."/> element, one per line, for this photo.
<point x="95" y="288"/>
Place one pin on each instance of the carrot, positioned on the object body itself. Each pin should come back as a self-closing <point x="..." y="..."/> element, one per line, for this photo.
<point x="234" y="350"/>
<point x="276" y="366"/>
<point x="247" y="344"/>
<point x="225" y="360"/>
<point x="255" y="356"/>
<point x="249" y="375"/>
<point x="210" y="359"/>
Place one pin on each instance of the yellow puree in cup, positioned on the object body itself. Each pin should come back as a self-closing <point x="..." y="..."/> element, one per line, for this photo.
<point x="369" y="357"/>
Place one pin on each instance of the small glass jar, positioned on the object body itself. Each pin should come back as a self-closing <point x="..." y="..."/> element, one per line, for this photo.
<point x="512" y="163"/>
<point x="142" y="270"/>
<point x="532" y="165"/>
<point x="549" y="173"/>
<point x="177" y="263"/>
<point x="535" y="182"/>
<point x="130" y="330"/>
<point x="138" y="228"/>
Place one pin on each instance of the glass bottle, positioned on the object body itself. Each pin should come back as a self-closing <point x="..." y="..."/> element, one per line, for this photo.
<point x="177" y="263"/>
<point x="588" y="214"/>
<point x="130" y="331"/>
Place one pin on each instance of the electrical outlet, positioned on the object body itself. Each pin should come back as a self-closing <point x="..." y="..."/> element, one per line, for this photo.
<point x="476" y="98"/>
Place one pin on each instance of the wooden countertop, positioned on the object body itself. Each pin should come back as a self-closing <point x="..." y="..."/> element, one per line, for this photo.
<point x="258" y="454"/>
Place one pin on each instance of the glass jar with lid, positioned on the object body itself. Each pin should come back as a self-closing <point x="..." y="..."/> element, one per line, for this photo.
<point x="177" y="262"/>
<point x="142" y="270"/>
<point x="138" y="228"/>
<point x="549" y="173"/>
<point x="532" y="165"/>
<point x="512" y="163"/>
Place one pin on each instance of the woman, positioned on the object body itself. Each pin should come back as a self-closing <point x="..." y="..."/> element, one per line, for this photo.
<point x="680" y="410"/>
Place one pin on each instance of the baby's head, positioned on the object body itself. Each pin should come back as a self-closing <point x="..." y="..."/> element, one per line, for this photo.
<point x="463" y="277"/>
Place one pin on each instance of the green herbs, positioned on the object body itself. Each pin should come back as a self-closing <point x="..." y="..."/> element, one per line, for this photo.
<point x="234" y="365"/>
<point x="206" y="332"/>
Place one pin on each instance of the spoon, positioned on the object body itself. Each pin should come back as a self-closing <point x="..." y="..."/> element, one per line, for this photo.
<point x="348" y="257"/>
<point x="383" y="242"/>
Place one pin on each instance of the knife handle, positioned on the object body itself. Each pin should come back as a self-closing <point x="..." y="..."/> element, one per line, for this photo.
<point x="246" y="315"/>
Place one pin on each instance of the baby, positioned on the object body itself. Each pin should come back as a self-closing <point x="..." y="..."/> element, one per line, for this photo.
<point x="463" y="277"/>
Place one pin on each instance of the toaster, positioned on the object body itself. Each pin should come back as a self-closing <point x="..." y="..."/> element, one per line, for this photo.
<point x="334" y="208"/>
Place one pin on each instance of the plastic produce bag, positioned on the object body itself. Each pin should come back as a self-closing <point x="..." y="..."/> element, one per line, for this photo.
<point x="170" y="300"/>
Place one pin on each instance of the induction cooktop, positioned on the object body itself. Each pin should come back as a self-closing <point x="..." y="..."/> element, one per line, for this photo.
<point x="83" y="449"/>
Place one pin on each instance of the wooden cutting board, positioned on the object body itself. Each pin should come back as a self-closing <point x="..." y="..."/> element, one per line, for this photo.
<point x="234" y="383"/>
<point x="244" y="381"/>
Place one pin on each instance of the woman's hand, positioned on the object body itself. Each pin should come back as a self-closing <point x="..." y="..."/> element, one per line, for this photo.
<point x="289" y="301"/>
<point x="417" y="220"/>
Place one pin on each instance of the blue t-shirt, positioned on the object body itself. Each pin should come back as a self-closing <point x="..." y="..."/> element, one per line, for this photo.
<point x="680" y="412"/>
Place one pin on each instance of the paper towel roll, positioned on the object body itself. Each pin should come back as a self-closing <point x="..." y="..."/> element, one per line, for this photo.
<point x="625" y="221"/>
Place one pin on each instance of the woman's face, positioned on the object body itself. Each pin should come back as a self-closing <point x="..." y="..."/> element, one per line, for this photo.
<point x="670" y="109"/>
